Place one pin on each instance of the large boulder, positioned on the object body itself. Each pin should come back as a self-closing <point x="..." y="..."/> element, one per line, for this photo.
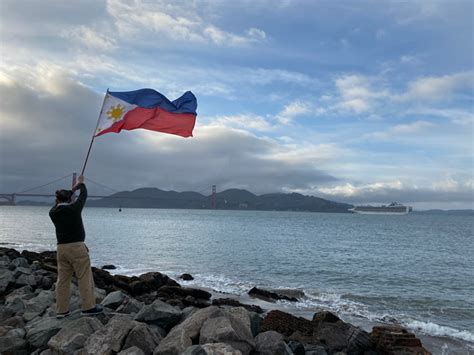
<point x="20" y="262"/>
<point x="15" y="322"/>
<point x="40" y="330"/>
<point x="73" y="335"/>
<point x="396" y="339"/>
<point x="4" y="260"/>
<point x="212" y="349"/>
<point x="271" y="295"/>
<point x="325" y="317"/>
<point x="183" y="292"/>
<point x="312" y="349"/>
<point x="110" y="338"/>
<point x="114" y="299"/>
<point x="132" y="351"/>
<point x="130" y="306"/>
<point x="297" y="348"/>
<point x="7" y="280"/>
<point x="18" y="271"/>
<point x="341" y="336"/>
<point x="181" y="336"/>
<point x="149" y="282"/>
<point x="143" y="337"/>
<point x="229" y="330"/>
<point x="286" y="324"/>
<point x="159" y="313"/>
<point x="13" y="345"/>
<point x="241" y="314"/>
<point x="234" y="303"/>
<point x="271" y="343"/>
<point x="25" y="292"/>
<point x="26" y="280"/>
<point x="37" y="305"/>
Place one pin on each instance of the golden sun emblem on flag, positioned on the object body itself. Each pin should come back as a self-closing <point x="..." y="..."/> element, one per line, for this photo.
<point x="115" y="113"/>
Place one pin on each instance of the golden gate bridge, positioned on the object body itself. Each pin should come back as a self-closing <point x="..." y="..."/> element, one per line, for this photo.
<point x="11" y="198"/>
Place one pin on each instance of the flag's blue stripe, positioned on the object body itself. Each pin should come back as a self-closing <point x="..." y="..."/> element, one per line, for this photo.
<point x="149" y="98"/>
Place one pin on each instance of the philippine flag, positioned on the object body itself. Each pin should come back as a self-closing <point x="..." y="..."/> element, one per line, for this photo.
<point x="147" y="109"/>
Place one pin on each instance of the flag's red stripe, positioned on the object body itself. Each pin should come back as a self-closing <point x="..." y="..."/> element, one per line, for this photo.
<point x="155" y="119"/>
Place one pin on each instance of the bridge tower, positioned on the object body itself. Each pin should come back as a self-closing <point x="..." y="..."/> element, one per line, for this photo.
<point x="13" y="201"/>
<point x="214" y="197"/>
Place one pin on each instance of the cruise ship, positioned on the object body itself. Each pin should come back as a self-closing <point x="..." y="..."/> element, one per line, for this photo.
<point x="393" y="208"/>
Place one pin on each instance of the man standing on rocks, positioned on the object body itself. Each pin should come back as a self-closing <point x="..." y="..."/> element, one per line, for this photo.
<point x="72" y="253"/>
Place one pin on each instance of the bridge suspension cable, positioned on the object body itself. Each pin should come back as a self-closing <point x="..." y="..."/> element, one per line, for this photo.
<point x="49" y="183"/>
<point x="101" y="185"/>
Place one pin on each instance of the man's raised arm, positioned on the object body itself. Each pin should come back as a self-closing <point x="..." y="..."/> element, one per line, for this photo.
<point x="81" y="200"/>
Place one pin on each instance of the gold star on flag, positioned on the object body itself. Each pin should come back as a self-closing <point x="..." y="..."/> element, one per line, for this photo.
<point x="115" y="113"/>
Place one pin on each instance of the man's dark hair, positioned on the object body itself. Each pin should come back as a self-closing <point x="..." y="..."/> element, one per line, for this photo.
<point x="64" y="195"/>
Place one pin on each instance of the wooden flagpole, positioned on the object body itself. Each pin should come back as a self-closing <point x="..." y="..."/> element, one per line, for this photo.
<point x="93" y="134"/>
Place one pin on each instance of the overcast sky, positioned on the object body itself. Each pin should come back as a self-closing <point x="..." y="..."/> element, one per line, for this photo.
<point x="354" y="101"/>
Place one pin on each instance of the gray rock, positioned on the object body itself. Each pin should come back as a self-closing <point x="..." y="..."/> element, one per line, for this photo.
<point x="110" y="338"/>
<point x="240" y="313"/>
<point x="36" y="306"/>
<point x="220" y="349"/>
<point x="25" y="292"/>
<point x="159" y="313"/>
<point x="132" y="351"/>
<point x="17" y="333"/>
<point x="100" y="294"/>
<point x="255" y="323"/>
<point x="4" y="330"/>
<point x="297" y="348"/>
<point x="13" y="345"/>
<point x="4" y="260"/>
<point x="16" y="306"/>
<point x="73" y="335"/>
<point x="229" y="330"/>
<point x="194" y="350"/>
<point x="143" y="337"/>
<point x="40" y="330"/>
<point x="339" y="335"/>
<point x="44" y="282"/>
<point x="114" y="299"/>
<point x="130" y="306"/>
<point x="181" y="336"/>
<point x="20" y="262"/>
<point x="15" y="322"/>
<point x="188" y="311"/>
<point x="160" y="331"/>
<point x="271" y="343"/>
<point x="21" y="271"/>
<point x="212" y="349"/>
<point x="7" y="279"/>
<point x="359" y="340"/>
<point x="316" y="350"/>
<point x="5" y="315"/>
<point x="28" y="280"/>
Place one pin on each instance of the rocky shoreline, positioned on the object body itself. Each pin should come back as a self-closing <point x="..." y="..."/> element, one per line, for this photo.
<point x="154" y="314"/>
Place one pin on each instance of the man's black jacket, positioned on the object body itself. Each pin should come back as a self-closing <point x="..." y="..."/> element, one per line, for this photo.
<point x="68" y="221"/>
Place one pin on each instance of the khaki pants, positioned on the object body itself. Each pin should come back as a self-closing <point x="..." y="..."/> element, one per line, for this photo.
<point x="74" y="257"/>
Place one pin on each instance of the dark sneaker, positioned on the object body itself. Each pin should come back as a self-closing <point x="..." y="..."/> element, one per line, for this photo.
<point x="98" y="309"/>
<point x="62" y="315"/>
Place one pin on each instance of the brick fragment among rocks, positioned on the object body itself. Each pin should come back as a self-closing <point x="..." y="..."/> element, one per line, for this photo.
<point x="396" y="340"/>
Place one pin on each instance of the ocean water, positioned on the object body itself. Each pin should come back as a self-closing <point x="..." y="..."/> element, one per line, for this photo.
<point x="417" y="270"/>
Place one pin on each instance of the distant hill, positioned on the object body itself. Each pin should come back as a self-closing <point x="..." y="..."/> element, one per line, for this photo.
<point x="231" y="199"/>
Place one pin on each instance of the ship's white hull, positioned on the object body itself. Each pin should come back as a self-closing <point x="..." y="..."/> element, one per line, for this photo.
<point x="379" y="212"/>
